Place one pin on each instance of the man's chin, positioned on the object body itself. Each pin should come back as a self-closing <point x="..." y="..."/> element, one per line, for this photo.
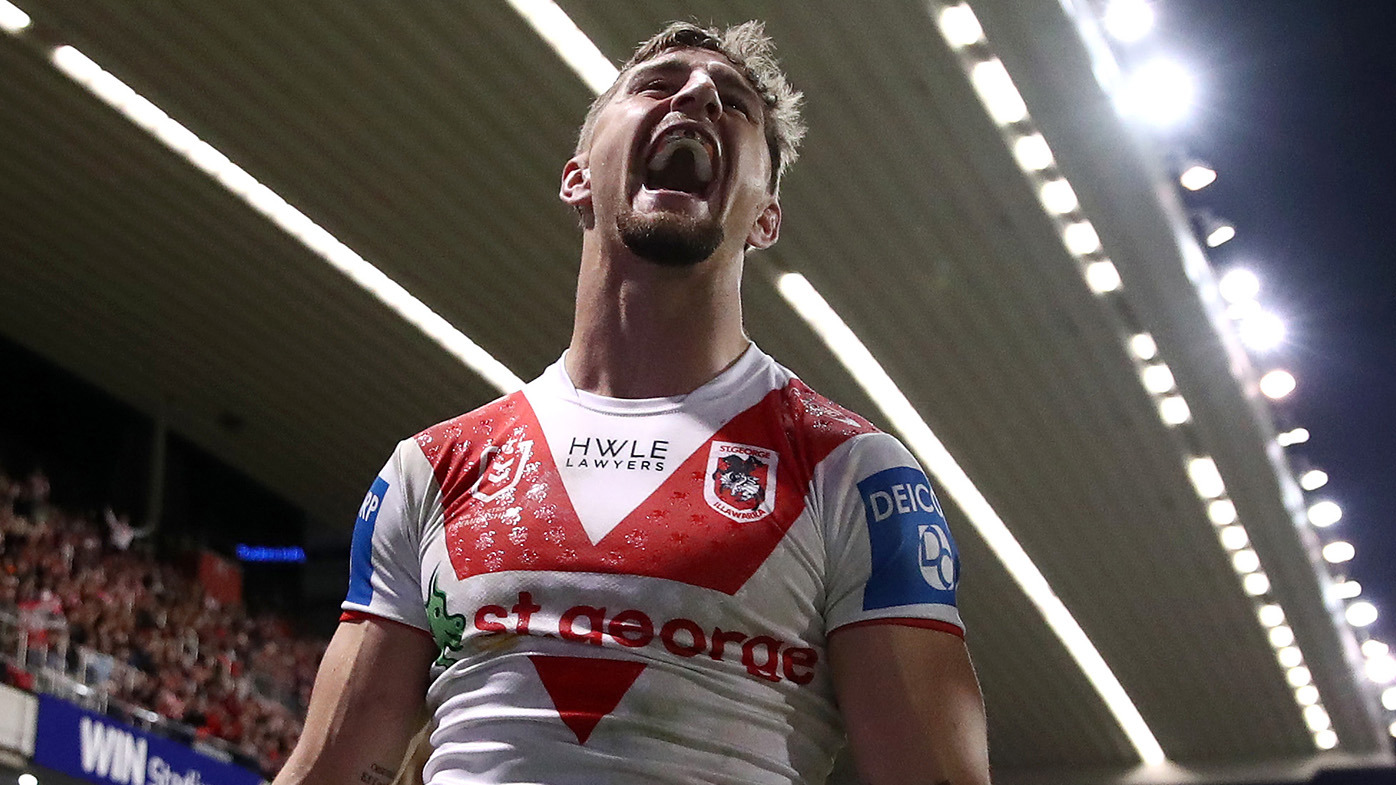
<point x="670" y="239"/>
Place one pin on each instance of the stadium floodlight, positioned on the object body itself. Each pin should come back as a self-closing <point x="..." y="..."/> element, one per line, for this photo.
<point x="1292" y="437"/>
<point x="1256" y="584"/>
<point x="1221" y="512"/>
<point x="1160" y="92"/>
<point x="1239" y="285"/>
<point x="1325" y="513"/>
<point x="1391" y="729"/>
<point x="1313" y="479"/>
<point x="1058" y="197"/>
<point x="557" y="29"/>
<point x="1347" y="590"/>
<point x="1388" y="698"/>
<point x="1298" y="676"/>
<point x="12" y="19"/>
<point x="997" y="91"/>
<point x="1143" y="346"/>
<point x="27" y="779"/>
<point x="1220" y="233"/>
<point x="1032" y="153"/>
<point x="1157" y="379"/>
<point x="1281" y="636"/>
<point x="1205" y="478"/>
<point x="1234" y="538"/>
<point x="1262" y="330"/>
<point x="1197" y="176"/>
<point x="1306" y="695"/>
<point x="1277" y="384"/>
<point x="1290" y="657"/>
<point x="1317" y="718"/>
<point x="1271" y="615"/>
<point x="960" y="26"/>
<point x="1081" y="238"/>
<point x="1325" y="739"/>
<point x="1361" y="614"/>
<point x="1374" y="648"/>
<point x="1102" y="276"/>
<point x="1128" y="20"/>
<point x="1245" y="561"/>
<point x="1338" y="551"/>
<point x="1381" y="670"/>
<point x="1173" y="410"/>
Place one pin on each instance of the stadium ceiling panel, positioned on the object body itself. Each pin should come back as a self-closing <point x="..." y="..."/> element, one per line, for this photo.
<point x="429" y="139"/>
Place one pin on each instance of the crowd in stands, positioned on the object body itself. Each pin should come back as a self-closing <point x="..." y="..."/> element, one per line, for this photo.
<point x="89" y="597"/>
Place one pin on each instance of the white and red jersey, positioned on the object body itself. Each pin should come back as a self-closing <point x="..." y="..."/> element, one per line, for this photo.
<point x="642" y="591"/>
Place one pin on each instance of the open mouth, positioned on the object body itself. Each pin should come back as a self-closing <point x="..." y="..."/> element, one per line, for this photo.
<point x="682" y="159"/>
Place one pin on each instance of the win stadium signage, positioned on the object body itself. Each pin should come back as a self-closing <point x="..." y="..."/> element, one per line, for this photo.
<point x="101" y="750"/>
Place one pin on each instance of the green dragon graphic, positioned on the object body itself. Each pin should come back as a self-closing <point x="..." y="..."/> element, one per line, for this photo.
<point x="446" y="627"/>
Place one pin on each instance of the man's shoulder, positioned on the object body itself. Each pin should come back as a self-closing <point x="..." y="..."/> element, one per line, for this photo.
<point x="457" y="434"/>
<point x="814" y="416"/>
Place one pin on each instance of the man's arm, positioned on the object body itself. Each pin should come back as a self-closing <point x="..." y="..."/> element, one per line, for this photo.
<point x="911" y="705"/>
<point x="366" y="705"/>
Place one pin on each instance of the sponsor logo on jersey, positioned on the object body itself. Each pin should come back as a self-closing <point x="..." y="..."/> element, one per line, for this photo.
<point x="600" y="452"/>
<point x="501" y="466"/>
<point x="741" y="481"/>
<point x="361" y="547"/>
<point x="914" y="559"/>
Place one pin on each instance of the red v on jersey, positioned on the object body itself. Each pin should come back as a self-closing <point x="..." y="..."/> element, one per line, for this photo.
<point x="585" y="689"/>
<point x="506" y="507"/>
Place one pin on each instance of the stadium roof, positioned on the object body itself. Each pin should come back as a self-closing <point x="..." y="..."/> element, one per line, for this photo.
<point x="428" y="139"/>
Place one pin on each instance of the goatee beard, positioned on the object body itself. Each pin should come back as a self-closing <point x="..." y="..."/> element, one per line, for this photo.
<point x="668" y="239"/>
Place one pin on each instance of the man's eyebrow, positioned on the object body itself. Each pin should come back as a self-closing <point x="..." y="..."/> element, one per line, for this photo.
<point x="725" y="76"/>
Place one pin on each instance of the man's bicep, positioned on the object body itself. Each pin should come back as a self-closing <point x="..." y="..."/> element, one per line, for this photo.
<point x="911" y="705"/>
<point x="367" y="703"/>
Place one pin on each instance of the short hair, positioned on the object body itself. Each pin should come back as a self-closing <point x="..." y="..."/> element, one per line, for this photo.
<point x="753" y="53"/>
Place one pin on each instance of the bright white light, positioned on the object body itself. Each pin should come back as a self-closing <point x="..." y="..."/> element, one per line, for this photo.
<point x="1338" y="552"/>
<point x="1271" y="615"/>
<point x="1347" y="590"/>
<point x="1262" y="331"/>
<point x="1325" y="739"/>
<point x="1313" y="479"/>
<point x="1381" y="670"/>
<point x="1293" y="437"/>
<point x="1316" y="718"/>
<point x="1157" y="379"/>
<point x="1239" y="312"/>
<point x="1160" y="92"/>
<point x="557" y="29"/>
<point x="1102" y="277"/>
<point x="1277" y="384"/>
<point x="1306" y="695"/>
<point x="147" y="116"/>
<point x="1361" y="614"/>
<point x="1128" y="20"/>
<point x="12" y="19"/>
<point x="1143" y="346"/>
<point x="1205" y="478"/>
<point x="1298" y="676"/>
<point x="996" y="90"/>
<point x="1032" y="153"/>
<point x="28" y="779"/>
<point x="1290" y="657"/>
<point x="889" y="399"/>
<point x="1325" y="513"/>
<point x="1256" y="584"/>
<point x="1220" y="234"/>
<point x="1388" y="698"/>
<point x="1174" y="410"/>
<point x="1239" y="285"/>
<point x="1281" y="636"/>
<point x="1245" y="561"/>
<point x="1057" y="197"/>
<point x="1391" y="729"/>
<point x="1197" y="177"/>
<point x="1234" y="538"/>
<point x="960" y="26"/>
<point x="1374" y="648"/>
<point x="1081" y="238"/>
<point x="1222" y="512"/>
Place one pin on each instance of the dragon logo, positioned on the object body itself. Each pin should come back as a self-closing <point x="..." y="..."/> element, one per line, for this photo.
<point x="448" y="629"/>
<point x="741" y="481"/>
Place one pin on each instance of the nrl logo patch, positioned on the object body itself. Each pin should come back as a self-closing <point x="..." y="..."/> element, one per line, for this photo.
<point x="741" y="481"/>
<point x="501" y="468"/>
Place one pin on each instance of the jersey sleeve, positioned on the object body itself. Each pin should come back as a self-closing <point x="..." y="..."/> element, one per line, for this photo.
<point x="890" y="557"/>
<point x="385" y="555"/>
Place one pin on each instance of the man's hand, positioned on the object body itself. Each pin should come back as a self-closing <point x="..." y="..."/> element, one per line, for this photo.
<point x="911" y="705"/>
<point x="366" y="705"/>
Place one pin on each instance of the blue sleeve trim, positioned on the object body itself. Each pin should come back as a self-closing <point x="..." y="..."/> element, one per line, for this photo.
<point x="361" y="551"/>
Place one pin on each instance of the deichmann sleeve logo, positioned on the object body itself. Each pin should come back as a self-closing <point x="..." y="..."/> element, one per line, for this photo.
<point x="914" y="559"/>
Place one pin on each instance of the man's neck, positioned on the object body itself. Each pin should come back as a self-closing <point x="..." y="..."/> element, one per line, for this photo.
<point x="643" y="330"/>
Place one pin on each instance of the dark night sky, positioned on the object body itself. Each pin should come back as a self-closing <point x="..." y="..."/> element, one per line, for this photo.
<point x="1296" y="113"/>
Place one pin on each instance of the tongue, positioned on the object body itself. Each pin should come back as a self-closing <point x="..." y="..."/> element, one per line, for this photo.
<point x="680" y="173"/>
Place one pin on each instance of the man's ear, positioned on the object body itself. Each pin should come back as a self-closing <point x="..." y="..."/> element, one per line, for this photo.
<point x="766" y="230"/>
<point x="576" y="182"/>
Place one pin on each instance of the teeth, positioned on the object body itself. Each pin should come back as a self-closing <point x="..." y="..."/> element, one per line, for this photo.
<point x="702" y="162"/>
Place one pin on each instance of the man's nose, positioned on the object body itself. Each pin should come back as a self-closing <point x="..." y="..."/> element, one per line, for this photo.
<point x="699" y="98"/>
